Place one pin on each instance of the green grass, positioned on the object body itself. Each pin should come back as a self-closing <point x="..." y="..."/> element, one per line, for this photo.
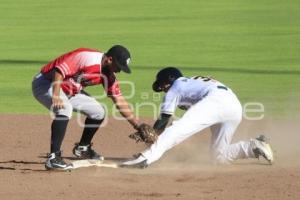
<point x="252" y="46"/>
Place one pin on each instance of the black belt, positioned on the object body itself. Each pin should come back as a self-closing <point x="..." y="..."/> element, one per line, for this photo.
<point x="222" y="87"/>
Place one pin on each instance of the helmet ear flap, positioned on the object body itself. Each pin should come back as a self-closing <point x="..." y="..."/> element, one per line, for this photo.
<point x="171" y="78"/>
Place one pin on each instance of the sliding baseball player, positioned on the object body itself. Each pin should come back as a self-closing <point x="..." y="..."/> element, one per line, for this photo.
<point x="208" y="103"/>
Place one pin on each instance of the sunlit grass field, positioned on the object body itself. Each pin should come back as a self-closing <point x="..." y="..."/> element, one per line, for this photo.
<point x="251" y="46"/>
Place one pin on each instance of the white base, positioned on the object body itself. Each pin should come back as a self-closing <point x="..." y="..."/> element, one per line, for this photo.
<point x="90" y="162"/>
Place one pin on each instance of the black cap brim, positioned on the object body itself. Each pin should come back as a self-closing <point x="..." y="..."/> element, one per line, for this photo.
<point x="156" y="86"/>
<point x="124" y="68"/>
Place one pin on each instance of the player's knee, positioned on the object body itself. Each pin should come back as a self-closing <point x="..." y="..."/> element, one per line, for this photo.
<point x="97" y="116"/>
<point x="66" y="111"/>
<point x="222" y="160"/>
<point x="98" y="113"/>
<point x="221" y="157"/>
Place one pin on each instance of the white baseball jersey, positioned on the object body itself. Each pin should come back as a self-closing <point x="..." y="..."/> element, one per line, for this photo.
<point x="185" y="92"/>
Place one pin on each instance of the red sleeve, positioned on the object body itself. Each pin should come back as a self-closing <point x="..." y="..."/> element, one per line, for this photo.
<point x="67" y="64"/>
<point x="114" y="89"/>
<point x="111" y="84"/>
<point x="68" y="67"/>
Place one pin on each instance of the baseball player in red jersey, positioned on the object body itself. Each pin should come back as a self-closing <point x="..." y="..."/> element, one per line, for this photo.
<point x="59" y="87"/>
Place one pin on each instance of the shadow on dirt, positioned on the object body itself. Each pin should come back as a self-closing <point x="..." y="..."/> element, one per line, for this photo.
<point x="36" y="166"/>
<point x="20" y="165"/>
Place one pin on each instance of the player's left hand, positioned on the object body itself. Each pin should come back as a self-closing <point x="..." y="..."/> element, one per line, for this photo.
<point x="145" y="133"/>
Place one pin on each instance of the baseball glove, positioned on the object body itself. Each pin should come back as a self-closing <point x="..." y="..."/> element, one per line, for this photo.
<point x="145" y="134"/>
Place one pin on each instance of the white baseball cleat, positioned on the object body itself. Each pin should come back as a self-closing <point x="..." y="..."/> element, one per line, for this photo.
<point x="260" y="147"/>
<point x="140" y="162"/>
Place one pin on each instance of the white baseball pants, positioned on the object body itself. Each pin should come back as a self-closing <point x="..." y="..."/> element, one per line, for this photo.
<point x="220" y="110"/>
<point x="42" y="91"/>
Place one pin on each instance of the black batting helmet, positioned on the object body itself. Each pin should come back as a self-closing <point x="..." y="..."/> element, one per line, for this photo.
<point x="166" y="76"/>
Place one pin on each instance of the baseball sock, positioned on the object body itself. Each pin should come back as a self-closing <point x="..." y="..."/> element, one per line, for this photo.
<point x="91" y="127"/>
<point x="58" y="130"/>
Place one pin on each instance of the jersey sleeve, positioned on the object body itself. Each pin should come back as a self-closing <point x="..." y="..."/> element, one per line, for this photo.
<point x="170" y="102"/>
<point x="111" y="85"/>
<point x="66" y="64"/>
<point x="114" y="89"/>
<point x="68" y="67"/>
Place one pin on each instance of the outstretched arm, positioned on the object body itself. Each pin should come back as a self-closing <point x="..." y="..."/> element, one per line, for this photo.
<point x="161" y="122"/>
<point x="125" y="110"/>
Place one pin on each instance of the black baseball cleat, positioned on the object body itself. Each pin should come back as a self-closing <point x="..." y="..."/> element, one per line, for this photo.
<point x="55" y="162"/>
<point x="86" y="152"/>
<point x="140" y="162"/>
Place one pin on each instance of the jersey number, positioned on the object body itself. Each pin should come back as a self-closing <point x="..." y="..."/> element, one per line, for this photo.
<point x="204" y="78"/>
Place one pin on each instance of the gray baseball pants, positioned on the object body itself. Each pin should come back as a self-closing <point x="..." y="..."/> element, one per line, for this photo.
<point x="81" y="102"/>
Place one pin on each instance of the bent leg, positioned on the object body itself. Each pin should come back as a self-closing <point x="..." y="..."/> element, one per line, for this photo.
<point x="95" y="115"/>
<point x="42" y="91"/>
<point x="88" y="106"/>
<point x="223" y="151"/>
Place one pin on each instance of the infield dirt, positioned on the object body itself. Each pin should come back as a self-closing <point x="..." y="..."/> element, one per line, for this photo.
<point x="185" y="172"/>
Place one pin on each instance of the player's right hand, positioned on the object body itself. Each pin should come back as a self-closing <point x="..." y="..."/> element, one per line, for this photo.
<point x="57" y="102"/>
